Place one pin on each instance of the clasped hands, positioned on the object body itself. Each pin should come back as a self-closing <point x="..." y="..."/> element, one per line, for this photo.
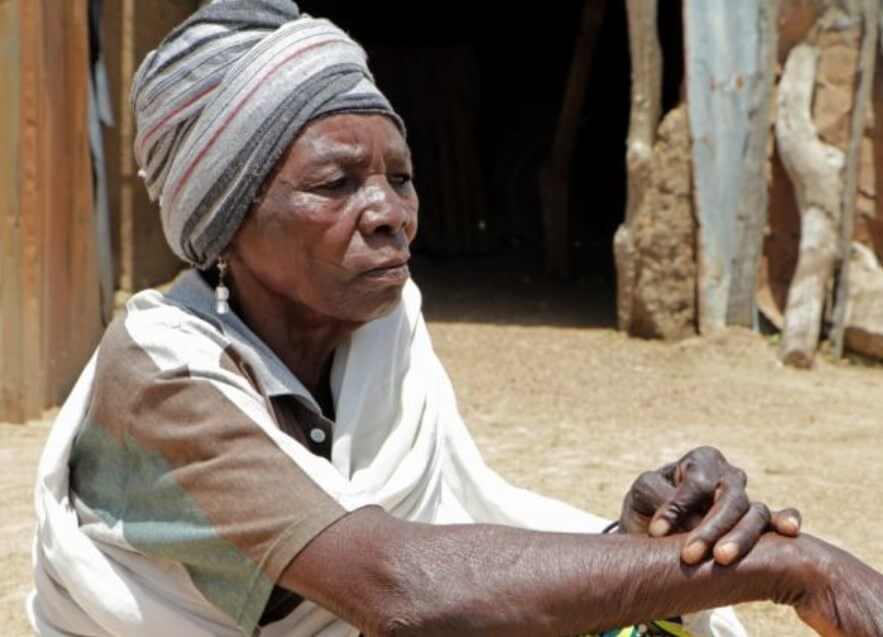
<point x="703" y="495"/>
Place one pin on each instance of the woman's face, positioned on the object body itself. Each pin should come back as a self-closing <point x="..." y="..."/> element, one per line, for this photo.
<point x="330" y="235"/>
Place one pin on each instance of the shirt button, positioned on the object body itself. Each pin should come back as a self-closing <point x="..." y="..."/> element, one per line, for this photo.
<point x="317" y="436"/>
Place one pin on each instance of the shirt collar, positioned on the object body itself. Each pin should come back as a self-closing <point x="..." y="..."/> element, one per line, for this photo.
<point x="191" y="291"/>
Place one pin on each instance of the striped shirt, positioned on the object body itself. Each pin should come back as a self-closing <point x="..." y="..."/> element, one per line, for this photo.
<point x="170" y="464"/>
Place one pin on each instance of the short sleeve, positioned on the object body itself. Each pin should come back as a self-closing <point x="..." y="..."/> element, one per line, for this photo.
<point x="173" y="457"/>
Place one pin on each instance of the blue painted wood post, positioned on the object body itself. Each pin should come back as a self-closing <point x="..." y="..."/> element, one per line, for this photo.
<point x="730" y="66"/>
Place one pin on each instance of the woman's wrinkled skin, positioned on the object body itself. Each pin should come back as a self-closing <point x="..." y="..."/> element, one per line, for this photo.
<point x="325" y="250"/>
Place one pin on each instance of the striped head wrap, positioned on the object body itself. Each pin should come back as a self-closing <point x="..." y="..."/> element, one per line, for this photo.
<point x="221" y="99"/>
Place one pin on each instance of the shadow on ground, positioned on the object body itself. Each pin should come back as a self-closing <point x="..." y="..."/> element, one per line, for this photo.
<point x="510" y="289"/>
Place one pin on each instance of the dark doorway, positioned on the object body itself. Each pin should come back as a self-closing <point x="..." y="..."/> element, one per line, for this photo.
<point x="480" y="87"/>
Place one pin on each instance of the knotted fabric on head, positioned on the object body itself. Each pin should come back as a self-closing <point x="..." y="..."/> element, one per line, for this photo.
<point x="223" y="96"/>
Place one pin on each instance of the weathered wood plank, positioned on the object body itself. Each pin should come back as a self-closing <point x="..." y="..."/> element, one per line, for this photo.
<point x="131" y="29"/>
<point x="56" y="187"/>
<point x="815" y="171"/>
<point x="77" y="314"/>
<point x="646" y="107"/>
<point x="50" y="318"/>
<point x="12" y="406"/>
<point x="34" y="132"/>
<point x="555" y="176"/>
<point x="870" y="16"/>
<point x="730" y="49"/>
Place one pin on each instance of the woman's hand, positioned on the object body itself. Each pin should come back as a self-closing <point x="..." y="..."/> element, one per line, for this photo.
<point x="843" y="596"/>
<point x="704" y="494"/>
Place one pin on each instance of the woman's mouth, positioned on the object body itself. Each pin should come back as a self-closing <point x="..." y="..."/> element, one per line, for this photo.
<point x="392" y="273"/>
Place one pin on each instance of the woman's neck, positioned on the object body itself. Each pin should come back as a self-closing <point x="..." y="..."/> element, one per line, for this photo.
<point x="302" y="339"/>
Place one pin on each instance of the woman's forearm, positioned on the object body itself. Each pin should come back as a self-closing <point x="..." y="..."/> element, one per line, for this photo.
<point x="400" y="578"/>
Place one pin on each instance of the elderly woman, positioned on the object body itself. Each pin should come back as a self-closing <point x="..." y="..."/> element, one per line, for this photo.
<point x="273" y="448"/>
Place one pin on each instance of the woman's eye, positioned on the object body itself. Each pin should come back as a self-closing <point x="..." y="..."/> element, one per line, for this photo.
<point x="400" y="179"/>
<point x="335" y="184"/>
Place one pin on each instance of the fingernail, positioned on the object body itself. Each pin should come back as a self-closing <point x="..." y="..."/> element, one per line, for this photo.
<point x="726" y="553"/>
<point x="694" y="551"/>
<point x="659" y="527"/>
<point x="793" y="522"/>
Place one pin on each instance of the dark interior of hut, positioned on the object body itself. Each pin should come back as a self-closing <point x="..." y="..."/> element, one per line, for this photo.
<point x="480" y="87"/>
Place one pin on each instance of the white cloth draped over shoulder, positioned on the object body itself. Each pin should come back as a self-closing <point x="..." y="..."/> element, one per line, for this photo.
<point x="399" y="442"/>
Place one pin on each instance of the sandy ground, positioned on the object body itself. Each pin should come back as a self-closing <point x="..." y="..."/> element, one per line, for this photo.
<point x="561" y="403"/>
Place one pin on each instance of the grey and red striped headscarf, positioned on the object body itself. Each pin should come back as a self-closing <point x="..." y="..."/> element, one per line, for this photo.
<point x="223" y="96"/>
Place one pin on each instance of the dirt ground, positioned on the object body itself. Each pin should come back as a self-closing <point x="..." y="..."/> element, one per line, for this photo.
<point x="562" y="403"/>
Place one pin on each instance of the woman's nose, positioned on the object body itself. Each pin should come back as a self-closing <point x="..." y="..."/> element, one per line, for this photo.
<point x="383" y="211"/>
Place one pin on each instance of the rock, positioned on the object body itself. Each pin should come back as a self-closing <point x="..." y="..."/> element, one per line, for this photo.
<point x="864" y="312"/>
<point x="665" y="239"/>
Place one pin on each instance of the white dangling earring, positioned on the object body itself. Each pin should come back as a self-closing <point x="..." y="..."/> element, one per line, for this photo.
<point x="222" y="292"/>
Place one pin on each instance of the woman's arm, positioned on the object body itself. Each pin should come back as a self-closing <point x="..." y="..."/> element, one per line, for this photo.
<point x="391" y="577"/>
